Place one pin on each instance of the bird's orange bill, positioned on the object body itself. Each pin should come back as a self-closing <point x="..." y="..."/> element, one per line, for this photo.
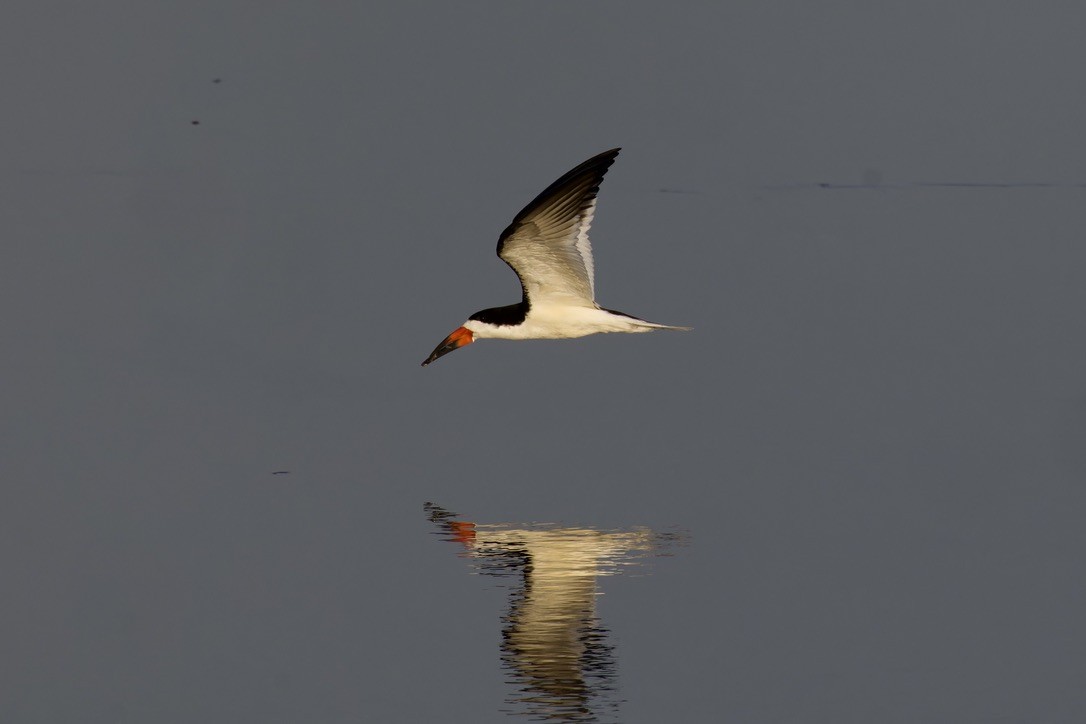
<point x="459" y="337"/>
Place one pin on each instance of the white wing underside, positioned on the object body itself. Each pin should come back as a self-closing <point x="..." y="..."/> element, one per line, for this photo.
<point x="553" y="258"/>
<point x="547" y="244"/>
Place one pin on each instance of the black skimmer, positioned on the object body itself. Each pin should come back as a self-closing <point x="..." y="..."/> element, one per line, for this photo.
<point x="547" y="246"/>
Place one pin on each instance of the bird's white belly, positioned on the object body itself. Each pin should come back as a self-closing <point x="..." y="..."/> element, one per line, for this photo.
<point x="560" y="322"/>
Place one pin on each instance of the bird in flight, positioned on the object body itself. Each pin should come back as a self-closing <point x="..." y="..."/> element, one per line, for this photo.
<point x="547" y="246"/>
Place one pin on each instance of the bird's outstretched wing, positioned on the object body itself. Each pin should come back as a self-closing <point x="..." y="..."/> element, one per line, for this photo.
<point x="547" y="243"/>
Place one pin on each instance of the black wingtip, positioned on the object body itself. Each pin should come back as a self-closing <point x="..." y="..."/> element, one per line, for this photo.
<point x="606" y="157"/>
<point x="587" y="175"/>
<point x="598" y="165"/>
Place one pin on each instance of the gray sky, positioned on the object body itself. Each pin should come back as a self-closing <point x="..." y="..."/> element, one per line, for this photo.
<point x="874" y="438"/>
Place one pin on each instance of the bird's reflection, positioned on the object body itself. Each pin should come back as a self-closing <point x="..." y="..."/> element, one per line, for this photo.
<point x="552" y="641"/>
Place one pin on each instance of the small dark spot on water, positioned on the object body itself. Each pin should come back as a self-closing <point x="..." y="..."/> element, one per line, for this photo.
<point x="217" y="80"/>
<point x="195" y="123"/>
<point x="281" y="472"/>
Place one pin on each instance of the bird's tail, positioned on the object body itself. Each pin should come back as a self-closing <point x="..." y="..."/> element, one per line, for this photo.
<point x="654" y="325"/>
<point x="642" y="325"/>
<point x="646" y="324"/>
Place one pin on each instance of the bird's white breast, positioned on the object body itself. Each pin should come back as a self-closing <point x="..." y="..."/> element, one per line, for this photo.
<point x="558" y="322"/>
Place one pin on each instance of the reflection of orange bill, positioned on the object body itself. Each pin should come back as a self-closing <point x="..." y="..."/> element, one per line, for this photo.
<point x="462" y="531"/>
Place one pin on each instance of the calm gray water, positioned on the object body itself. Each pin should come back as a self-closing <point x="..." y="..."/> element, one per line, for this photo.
<point x="230" y="232"/>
